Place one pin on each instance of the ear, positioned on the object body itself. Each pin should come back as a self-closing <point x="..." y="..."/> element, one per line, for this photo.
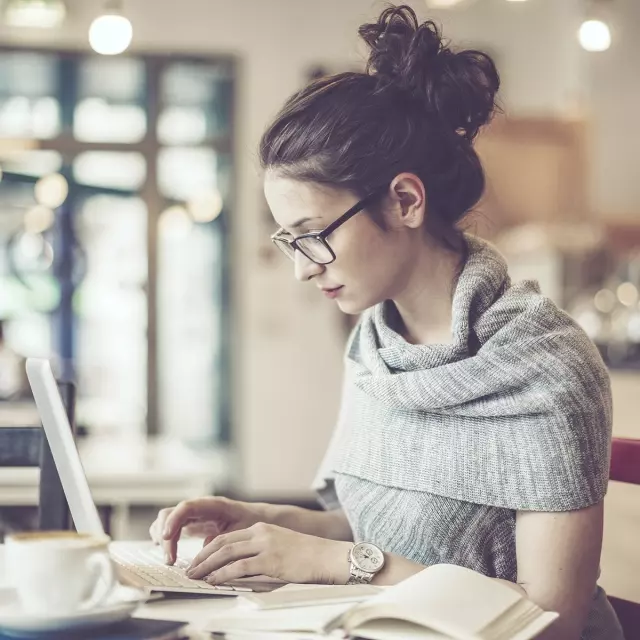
<point x="408" y="192"/>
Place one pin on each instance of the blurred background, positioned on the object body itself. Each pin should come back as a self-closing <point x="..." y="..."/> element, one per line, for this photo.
<point x="134" y="236"/>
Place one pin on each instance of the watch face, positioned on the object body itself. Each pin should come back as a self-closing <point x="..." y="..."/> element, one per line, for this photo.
<point x="367" y="557"/>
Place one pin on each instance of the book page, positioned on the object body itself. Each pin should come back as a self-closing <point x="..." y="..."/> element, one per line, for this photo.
<point x="397" y="630"/>
<point x="446" y="598"/>
<point x="294" y="595"/>
<point x="310" y="619"/>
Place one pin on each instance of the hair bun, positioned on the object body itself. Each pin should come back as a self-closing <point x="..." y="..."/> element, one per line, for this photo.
<point x="457" y="88"/>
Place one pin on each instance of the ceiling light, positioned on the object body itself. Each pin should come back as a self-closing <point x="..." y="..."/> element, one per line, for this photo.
<point x="38" y="219"/>
<point x="206" y="206"/>
<point x="52" y="190"/>
<point x="175" y="222"/>
<point x="38" y="14"/>
<point x="110" y="33"/>
<point x="594" y="35"/>
<point x="445" y="4"/>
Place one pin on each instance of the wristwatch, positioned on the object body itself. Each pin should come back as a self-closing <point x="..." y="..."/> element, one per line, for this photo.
<point x="365" y="560"/>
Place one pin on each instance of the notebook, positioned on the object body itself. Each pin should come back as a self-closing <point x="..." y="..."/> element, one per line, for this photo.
<point x="441" y="602"/>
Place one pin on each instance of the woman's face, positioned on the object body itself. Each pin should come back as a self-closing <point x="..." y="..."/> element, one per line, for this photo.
<point x="371" y="265"/>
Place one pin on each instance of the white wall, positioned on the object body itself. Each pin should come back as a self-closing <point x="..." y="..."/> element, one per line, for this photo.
<point x="614" y="105"/>
<point x="288" y="341"/>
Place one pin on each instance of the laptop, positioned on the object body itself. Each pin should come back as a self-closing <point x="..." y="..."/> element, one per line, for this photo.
<point x="139" y="564"/>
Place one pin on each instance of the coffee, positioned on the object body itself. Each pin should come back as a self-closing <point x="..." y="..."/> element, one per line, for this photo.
<point x="60" y="572"/>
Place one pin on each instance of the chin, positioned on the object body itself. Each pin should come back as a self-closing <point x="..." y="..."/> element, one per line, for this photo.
<point x="351" y="307"/>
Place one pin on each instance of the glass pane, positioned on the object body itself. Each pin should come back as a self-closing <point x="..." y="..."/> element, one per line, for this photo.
<point x="182" y="125"/>
<point x="186" y="172"/>
<point x="28" y="290"/>
<point x="110" y="90"/>
<point x="196" y="99"/>
<point x="111" y="169"/>
<point x="190" y="271"/>
<point x="31" y="163"/>
<point x="112" y="313"/>
<point x="29" y="106"/>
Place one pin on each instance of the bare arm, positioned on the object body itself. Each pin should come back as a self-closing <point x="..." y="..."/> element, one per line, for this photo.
<point x="324" y="524"/>
<point x="558" y="559"/>
<point x="558" y="556"/>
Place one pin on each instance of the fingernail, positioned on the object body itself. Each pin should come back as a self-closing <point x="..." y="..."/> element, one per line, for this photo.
<point x="190" y="573"/>
<point x="167" y="558"/>
<point x="166" y="532"/>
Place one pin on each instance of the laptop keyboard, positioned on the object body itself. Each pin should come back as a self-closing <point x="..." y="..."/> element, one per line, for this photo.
<point x="146" y="568"/>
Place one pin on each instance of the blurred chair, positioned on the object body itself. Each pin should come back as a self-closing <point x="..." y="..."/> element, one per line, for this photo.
<point x="625" y="467"/>
<point x="28" y="447"/>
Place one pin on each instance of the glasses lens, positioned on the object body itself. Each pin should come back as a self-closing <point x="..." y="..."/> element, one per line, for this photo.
<point x="284" y="246"/>
<point x="315" y="250"/>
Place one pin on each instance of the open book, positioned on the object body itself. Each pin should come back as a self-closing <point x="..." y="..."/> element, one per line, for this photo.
<point x="441" y="602"/>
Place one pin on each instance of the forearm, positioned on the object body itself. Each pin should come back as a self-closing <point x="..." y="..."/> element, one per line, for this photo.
<point x="323" y="524"/>
<point x="396" y="569"/>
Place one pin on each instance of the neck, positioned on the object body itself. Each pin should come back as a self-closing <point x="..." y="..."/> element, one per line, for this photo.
<point x="425" y="303"/>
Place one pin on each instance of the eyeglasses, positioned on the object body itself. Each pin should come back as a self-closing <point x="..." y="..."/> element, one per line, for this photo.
<point x="314" y="245"/>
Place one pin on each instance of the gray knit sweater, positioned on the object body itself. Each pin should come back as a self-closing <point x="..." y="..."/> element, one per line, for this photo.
<point x="438" y="446"/>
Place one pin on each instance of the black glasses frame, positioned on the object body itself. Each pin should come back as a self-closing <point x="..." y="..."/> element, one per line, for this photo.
<point x="289" y="247"/>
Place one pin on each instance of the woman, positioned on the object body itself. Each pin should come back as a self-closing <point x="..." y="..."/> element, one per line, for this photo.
<point x="476" y="416"/>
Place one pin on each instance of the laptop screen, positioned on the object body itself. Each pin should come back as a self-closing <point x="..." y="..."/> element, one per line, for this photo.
<point x="63" y="449"/>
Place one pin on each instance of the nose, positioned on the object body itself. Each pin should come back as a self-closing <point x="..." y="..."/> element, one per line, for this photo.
<point x="304" y="268"/>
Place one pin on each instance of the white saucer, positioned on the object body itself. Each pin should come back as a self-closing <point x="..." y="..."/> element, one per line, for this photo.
<point x="14" y="621"/>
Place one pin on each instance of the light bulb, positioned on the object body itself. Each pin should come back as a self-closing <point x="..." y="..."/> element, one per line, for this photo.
<point x="627" y="294"/>
<point x="176" y="222"/>
<point x="110" y="34"/>
<point x="36" y="14"/>
<point x="38" y="219"/>
<point x="443" y="4"/>
<point x="206" y="206"/>
<point x="594" y="35"/>
<point x="52" y="190"/>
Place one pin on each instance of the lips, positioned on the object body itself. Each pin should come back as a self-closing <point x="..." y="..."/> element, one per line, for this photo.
<point x="332" y="292"/>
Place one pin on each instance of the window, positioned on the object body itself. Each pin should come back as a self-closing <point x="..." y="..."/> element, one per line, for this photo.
<point x="124" y="284"/>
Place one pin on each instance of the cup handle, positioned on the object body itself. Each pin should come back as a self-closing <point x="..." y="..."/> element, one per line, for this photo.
<point x="100" y="565"/>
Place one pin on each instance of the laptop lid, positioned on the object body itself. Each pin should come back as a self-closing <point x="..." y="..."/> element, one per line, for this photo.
<point x="63" y="449"/>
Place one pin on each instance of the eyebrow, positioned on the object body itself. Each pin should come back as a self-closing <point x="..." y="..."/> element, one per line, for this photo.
<point x="302" y="221"/>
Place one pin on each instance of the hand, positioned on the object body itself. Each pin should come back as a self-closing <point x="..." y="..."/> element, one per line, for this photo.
<point x="204" y="517"/>
<point x="268" y="550"/>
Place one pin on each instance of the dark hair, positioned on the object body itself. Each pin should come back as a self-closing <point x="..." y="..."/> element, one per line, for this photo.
<point x="417" y="108"/>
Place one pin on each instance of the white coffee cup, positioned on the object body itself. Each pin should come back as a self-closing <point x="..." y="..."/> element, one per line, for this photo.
<point x="60" y="572"/>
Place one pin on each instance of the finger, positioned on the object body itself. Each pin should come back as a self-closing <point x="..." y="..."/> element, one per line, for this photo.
<point x="202" y="530"/>
<point x="155" y="530"/>
<point x="178" y="517"/>
<point x="228" y="554"/>
<point x="170" y="548"/>
<point x="218" y="543"/>
<point x="243" y="568"/>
